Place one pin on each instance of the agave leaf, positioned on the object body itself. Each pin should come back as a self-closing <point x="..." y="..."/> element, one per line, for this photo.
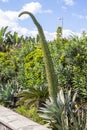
<point x="69" y="94"/>
<point x="45" y="117"/>
<point x="60" y="98"/>
<point x="74" y="96"/>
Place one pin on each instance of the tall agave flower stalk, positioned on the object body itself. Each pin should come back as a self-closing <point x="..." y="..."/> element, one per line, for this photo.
<point x="51" y="76"/>
<point x="61" y="112"/>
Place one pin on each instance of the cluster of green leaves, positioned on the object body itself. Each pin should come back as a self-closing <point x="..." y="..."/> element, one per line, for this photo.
<point x="69" y="58"/>
<point x="31" y="113"/>
<point x="34" y="95"/>
<point x="34" y="63"/>
<point x="7" y="67"/>
<point x="7" y="39"/>
<point x="72" y="65"/>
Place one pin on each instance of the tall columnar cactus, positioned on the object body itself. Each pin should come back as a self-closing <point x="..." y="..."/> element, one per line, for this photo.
<point x="50" y="73"/>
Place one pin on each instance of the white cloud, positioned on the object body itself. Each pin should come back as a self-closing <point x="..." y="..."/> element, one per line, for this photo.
<point x="67" y="33"/>
<point x="33" y="33"/>
<point x="33" y="7"/>
<point x="69" y="2"/>
<point x="4" y="0"/>
<point x="5" y="19"/>
<point x="50" y="35"/>
<point x="10" y="18"/>
<point x="80" y="16"/>
<point x="64" y="8"/>
<point x="25" y="32"/>
<point x="12" y="15"/>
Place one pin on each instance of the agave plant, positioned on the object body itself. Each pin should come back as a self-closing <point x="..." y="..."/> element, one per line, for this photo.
<point x="66" y="115"/>
<point x="9" y="94"/>
<point x="61" y="112"/>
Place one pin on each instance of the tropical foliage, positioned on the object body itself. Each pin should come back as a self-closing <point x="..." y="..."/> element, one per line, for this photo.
<point x="34" y="71"/>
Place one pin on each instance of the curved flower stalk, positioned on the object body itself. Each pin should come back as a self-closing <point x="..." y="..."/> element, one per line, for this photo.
<point x="51" y="76"/>
<point x="61" y="112"/>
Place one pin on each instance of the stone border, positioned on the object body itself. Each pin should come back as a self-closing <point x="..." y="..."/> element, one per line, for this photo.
<point x="10" y="120"/>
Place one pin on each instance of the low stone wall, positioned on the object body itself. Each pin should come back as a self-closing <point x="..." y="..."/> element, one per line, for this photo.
<point x="10" y="120"/>
<point x="3" y="127"/>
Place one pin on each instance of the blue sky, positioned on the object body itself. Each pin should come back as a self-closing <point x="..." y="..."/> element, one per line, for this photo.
<point x="48" y="12"/>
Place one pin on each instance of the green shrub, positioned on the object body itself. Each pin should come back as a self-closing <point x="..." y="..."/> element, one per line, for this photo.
<point x="30" y="113"/>
<point x="34" y="68"/>
<point x="72" y="66"/>
<point x="7" y="67"/>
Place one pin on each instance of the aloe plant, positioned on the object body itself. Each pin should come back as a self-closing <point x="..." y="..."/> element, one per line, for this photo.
<point x="50" y="72"/>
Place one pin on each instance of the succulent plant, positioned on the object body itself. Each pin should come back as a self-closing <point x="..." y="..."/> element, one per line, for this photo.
<point x="66" y="115"/>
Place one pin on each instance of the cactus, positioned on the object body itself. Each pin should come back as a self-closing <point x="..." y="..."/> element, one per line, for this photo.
<point x="50" y="72"/>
